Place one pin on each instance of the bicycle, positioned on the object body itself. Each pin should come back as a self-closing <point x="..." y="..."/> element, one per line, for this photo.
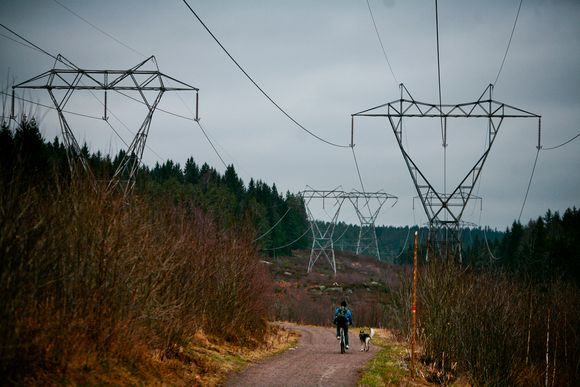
<point x="342" y="341"/>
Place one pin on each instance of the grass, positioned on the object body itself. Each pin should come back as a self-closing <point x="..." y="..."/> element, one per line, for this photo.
<point x="388" y="367"/>
<point x="201" y="360"/>
<point x="219" y="360"/>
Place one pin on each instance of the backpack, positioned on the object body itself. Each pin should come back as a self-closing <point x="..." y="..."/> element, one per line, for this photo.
<point x="341" y="316"/>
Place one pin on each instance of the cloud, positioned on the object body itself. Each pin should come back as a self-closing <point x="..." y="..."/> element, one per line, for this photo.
<point x="322" y="62"/>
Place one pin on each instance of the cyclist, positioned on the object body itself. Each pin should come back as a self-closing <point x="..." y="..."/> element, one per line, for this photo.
<point x="342" y="319"/>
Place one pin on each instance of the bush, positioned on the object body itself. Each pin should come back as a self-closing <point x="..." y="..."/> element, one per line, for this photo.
<point x="88" y="274"/>
<point x="498" y="330"/>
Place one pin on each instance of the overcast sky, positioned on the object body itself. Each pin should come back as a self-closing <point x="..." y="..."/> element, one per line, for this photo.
<point x="321" y="61"/>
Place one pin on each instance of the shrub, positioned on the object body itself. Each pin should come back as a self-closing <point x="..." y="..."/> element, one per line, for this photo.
<point x="498" y="330"/>
<point x="90" y="274"/>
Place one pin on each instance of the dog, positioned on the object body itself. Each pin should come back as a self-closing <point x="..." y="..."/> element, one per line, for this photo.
<point x="365" y="339"/>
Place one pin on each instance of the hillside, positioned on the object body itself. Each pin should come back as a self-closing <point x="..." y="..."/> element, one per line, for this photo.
<point x="310" y="298"/>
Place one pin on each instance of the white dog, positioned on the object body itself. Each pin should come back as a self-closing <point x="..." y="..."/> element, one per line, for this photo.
<point x="365" y="339"/>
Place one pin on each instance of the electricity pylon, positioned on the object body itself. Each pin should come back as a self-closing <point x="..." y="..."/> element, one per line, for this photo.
<point x="373" y="201"/>
<point x="61" y="83"/>
<point x="444" y="210"/>
<point x="322" y="242"/>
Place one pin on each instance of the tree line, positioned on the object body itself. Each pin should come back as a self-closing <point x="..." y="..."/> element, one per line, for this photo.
<point x="277" y="218"/>
<point x="546" y="247"/>
<point x="543" y="247"/>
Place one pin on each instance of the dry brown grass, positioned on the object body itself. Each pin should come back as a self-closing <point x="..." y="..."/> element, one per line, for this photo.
<point x="203" y="360"/>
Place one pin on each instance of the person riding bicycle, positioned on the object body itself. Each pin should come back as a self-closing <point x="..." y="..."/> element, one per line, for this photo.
<point x="342" y="319"/>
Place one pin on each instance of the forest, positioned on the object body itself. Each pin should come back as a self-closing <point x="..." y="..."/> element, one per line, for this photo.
<point x="224" y="196"/>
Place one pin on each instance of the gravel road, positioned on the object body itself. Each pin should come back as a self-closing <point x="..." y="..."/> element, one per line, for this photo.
<point x="316" y="361"/>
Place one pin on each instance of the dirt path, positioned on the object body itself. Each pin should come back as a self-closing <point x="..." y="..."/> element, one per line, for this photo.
<point x="316" y="361"/>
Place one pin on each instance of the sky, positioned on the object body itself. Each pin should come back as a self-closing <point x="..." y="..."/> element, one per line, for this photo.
<point x="321" y="62"/>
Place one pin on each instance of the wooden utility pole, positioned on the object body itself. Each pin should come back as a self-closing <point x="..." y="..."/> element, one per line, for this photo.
<point x="414" y="307"/>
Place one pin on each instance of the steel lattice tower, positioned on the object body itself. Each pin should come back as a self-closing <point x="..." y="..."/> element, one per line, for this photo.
<point x="322" y="234"/>
<point x="444" y="210"/>
<point x="373" y="201"/>
<point x="61" y="83"/>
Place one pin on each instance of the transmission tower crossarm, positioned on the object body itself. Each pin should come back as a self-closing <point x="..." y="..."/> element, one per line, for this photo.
<point x="116" y="77"/>
<point x="412" y="108"/>
<point x="137" y="79"/>
<point x="98" y="85"/>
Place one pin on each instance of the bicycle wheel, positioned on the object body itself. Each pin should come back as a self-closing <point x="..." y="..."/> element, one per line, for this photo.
<point x="342" y="341"/>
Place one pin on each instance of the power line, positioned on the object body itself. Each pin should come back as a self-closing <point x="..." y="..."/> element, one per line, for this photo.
<point x="124" y="125"/>
<point x="99" y="29"/>
<point x="509" y="42"/>
<point x="71" y="65"/>
<point x="89" y="116"/>
<point x="274" y="226"/>
<point x="223" y="150"/>
<point x="381" y="43"/>
<point x="185" y="118"/>
<point x="344" y="232"/>
<point x="493" y="257"/>
<point x="17" y="41"/>
<point x="360" y="179"/>
<point x="211" y="143"/>
<point x="357" y="170"/>
<point x="487" y="245"/>
<point x="117" y="133"/>
<point x="58" y="59"/>
<point x="208" y="138"/>
<point x="128" y="96"/>
<point x="127" y="145"/>
<point x="291" y="243"/>
<point x="33" y="46"/>
<point x="157" y="108"/>
<point x="562" y="144"/>
<point x="257" y="86"/>
<point x="529" y="183"/>
<point x="27" y="41"/>
<point x="135" y="99"/>
<point x="404" y="245"/>
<point x="52" y="107"/>
<point x="443" y="131"/>
<point x="534" y="169"/>
<point x="438" y="65"/>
